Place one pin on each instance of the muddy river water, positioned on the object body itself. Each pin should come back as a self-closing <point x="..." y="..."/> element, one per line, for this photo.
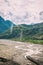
<point x="17" y="51"/>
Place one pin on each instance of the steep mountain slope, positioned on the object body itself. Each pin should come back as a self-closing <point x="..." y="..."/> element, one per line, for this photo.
<point x="27" y="32"/>
<point x="4" y="25"/>
<point x="21" y="32"/>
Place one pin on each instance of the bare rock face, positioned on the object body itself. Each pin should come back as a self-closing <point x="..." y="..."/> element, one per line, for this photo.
<point x="20" y="53"/>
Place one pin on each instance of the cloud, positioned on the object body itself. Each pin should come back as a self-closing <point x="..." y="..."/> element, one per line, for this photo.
<point x="7" y="2"/>
<point x="21" y="11"/>
<point x="41" y="15"/>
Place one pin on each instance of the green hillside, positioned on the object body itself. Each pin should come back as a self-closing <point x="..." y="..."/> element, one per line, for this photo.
<point x="25" y="33"/>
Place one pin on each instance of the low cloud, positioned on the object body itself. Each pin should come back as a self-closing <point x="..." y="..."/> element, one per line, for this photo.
<point x="21" y="11"/>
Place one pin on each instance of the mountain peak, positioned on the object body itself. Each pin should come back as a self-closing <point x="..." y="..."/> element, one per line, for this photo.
<point x="1" y="19"/>
<point x="4" y="25"/>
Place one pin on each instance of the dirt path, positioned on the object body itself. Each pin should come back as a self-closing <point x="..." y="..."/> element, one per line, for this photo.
<point x="17" y="51"/>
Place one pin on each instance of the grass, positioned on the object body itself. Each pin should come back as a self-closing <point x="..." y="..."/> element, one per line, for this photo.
<point x="36" y="41"/>
<point x="28" y="40"/>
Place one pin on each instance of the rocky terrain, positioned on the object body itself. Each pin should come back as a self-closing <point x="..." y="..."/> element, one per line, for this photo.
<point x="16" y="53"/>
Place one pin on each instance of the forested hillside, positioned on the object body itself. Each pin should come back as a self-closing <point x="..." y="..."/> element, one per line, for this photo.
<point x="20" y="32"/>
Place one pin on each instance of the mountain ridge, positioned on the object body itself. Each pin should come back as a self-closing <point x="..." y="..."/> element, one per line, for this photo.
<point x="22" y="32"/>
<point x="4" y="24"/>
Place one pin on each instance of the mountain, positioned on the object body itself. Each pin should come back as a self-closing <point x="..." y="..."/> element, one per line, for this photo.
<point x="27" y="31"/>
<point x="21" y="32"/>
<point x="4" y="25"/>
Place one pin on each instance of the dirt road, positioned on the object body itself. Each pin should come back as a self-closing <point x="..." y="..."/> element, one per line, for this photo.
<point x="17" y="51"/>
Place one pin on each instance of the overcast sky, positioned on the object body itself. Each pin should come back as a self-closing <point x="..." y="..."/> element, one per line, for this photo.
<point x="22" y="11"/>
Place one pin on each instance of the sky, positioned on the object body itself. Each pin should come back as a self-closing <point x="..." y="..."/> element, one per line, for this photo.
<point x="22" y="11"/>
